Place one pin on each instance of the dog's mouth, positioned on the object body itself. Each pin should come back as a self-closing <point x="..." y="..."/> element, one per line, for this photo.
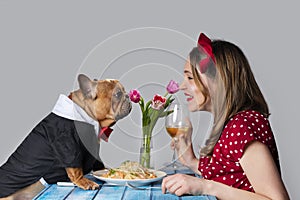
<point x="124" y="110"/>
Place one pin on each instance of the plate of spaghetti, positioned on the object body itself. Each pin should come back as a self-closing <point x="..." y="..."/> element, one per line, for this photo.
<point x="129" y="172"/>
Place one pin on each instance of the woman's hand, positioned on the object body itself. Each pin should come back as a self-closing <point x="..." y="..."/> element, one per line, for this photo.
<point x="183" y="145"/>
<point x="180" y="184"/>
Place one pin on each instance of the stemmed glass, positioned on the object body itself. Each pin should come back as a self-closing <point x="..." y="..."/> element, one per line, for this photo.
<point x="177" y="122"/>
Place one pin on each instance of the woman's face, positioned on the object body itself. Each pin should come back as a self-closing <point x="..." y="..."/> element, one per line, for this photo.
<point x="193" y="95"/>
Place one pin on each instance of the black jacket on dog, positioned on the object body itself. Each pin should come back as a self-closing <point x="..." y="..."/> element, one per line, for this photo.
<point x="54" y="144"/>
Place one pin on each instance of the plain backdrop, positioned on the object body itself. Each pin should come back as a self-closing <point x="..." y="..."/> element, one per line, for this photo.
<point x="45" y="44"/>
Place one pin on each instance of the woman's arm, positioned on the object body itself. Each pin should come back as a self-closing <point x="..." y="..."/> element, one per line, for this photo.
<point x="259" y="167"/>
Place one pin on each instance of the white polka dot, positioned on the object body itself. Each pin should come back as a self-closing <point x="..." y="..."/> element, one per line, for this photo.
<point x="232" y="134"/>
<point x="235" y="151"/>
<point x="228" y="156"/>
<point x="231" y="176"/>
<point x="217" y="175"/>
<point x="221" y="160"/>
<point x="246" y="141"/>
<point x="217" y="150"/>
<point x="224" y="178"/>
<point x="241" y="125"/>
<point x="237" y="180"/>
<point x="253" y="124"/>
<point x="232" y="170"/>
<point x="231" y="152"/>
<point x="225" y="146"/>
<point x="258" y="129"/>
<point x="238" y="134"/>
<point x="245" y="133"/>
<point x="235" y="142"/>
<point x="213" y="168"/>
<point x="246" y="184"/>
<point x="257" y="120"/>
<point x="209" y="173"/>
<point x="221" y="171"/>
<point x="262" y="126"/>
<point x="230" y="143"/>
<point x="234" y="126"/>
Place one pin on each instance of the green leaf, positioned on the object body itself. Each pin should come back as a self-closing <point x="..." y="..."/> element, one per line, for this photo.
<point x="166" y="113"/>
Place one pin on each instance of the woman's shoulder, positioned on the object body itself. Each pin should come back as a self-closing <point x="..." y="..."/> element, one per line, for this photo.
<point x="248" y="118"/>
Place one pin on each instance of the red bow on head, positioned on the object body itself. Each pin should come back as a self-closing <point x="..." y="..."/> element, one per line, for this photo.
<point x="204" y="45"/>
<point x="105" y="133"/>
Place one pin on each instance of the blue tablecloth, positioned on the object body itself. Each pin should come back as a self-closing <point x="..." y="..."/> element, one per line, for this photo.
<point x="109" y="192"/>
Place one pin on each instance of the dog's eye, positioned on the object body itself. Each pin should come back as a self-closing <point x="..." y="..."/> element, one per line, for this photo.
<point x="119" y="94"/>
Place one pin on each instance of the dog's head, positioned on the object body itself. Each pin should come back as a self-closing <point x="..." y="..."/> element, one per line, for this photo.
<point x="104" y="100"/>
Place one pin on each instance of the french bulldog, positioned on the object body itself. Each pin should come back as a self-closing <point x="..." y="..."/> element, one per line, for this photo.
<point x="64" y="146"/>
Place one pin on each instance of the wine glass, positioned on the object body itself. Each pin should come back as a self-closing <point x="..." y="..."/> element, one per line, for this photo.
<point x="177" y="122"/>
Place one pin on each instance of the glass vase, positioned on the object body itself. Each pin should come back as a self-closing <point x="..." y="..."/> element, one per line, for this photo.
<point x="146" y="159"/>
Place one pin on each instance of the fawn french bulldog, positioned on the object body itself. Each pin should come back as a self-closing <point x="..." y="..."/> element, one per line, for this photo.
<point x="64" y="146"/>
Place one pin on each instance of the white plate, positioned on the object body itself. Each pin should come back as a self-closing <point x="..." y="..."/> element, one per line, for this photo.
<point x="135" y="182"/>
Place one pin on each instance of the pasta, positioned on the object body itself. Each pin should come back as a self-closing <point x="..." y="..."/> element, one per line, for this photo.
<point x="129" y="170"/>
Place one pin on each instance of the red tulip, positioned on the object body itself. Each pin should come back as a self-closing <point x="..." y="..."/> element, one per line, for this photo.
<point x="158" y="102"/>
<point x="134" y="96"/>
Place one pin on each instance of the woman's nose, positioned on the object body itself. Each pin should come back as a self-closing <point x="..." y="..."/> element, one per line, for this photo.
<point x="182" y="86"/>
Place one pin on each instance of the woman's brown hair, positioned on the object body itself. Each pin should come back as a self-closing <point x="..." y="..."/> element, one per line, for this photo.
<point x="233" y="87"/>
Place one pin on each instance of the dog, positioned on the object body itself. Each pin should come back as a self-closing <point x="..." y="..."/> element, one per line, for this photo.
<point x="64" y="146"/>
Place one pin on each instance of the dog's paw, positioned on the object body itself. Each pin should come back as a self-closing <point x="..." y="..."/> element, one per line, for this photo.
<point x="87" y="184"/>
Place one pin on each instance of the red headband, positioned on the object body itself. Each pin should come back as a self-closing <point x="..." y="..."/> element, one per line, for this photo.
<point x="204" y="45"/>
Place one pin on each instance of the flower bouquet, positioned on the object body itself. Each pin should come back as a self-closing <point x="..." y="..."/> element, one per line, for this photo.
<point x="151" y="112"/>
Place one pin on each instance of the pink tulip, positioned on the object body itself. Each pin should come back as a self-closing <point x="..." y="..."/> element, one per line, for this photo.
<point x="158" y="102"/>
<point x="134" y="96"/>
<point x="172" y="87"/>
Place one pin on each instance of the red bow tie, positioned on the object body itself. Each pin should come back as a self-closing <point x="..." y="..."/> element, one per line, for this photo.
<point x="105" y="133"/>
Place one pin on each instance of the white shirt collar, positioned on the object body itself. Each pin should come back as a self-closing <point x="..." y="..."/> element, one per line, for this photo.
<point x="66" y="108"/>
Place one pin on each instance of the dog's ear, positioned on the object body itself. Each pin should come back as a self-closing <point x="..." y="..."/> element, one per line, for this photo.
<point x="87" y="86"/>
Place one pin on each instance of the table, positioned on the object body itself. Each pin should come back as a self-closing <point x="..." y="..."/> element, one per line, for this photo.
<point x="110" y="192"/>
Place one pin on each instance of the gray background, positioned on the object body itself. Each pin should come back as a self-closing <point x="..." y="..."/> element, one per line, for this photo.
<point x="45" y="44"/>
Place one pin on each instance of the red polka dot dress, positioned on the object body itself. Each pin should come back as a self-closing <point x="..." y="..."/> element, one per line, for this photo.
<point x="241" y="129"/>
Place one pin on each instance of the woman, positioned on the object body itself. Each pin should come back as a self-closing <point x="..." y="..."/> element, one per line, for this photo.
<point x="240" y="158"/>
